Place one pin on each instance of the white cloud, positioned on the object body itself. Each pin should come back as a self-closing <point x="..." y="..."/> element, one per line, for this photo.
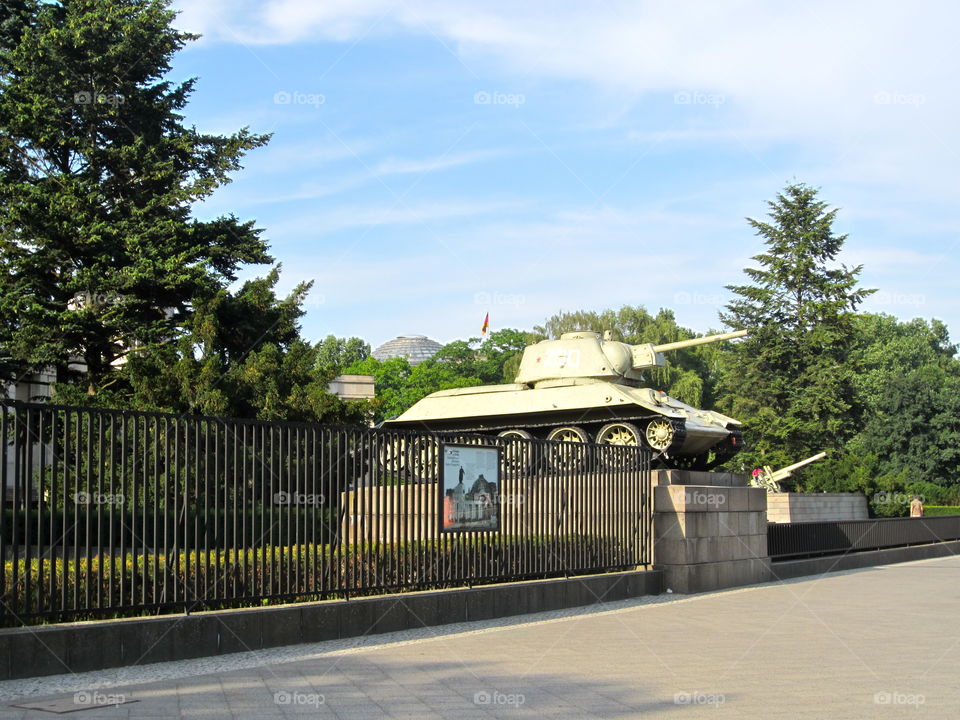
<point x="875" y="79"/>
<point x="859" y="97"/>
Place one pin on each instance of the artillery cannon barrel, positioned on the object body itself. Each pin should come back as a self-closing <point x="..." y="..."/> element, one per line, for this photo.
<point x="700" y="341"/>
<point x="790" y="468"/>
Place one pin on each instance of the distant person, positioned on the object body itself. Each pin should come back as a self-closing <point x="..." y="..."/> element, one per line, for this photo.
<point x="916" y="507"/>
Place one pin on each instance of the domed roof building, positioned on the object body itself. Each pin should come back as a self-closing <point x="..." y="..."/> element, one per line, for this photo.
<point x="415" y="348"/>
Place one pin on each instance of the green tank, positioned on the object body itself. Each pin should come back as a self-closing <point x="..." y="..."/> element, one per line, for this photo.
<point x="584" y="388"/>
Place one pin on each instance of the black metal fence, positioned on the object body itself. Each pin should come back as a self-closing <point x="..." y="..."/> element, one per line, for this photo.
<point x="809" y="539"/>
<point x="112" y="513"/>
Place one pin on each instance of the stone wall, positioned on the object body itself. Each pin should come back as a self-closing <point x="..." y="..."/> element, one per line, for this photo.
<point x="699" y="477"/>
<point x="709" y="537"/>
<point x="815" y="507"/>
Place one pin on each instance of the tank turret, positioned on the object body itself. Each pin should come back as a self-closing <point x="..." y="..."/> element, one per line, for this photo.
<point x="585" y="355"/>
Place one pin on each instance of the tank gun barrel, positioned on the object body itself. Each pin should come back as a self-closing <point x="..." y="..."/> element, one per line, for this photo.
<point x="649" y="355"/>
<point x="666" y="347"/>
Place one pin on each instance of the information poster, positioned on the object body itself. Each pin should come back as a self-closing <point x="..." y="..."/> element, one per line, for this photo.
<point x="470" y="489"/>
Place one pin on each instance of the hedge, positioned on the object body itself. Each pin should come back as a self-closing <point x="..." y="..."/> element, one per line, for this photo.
<point x="201" y="529"/>
<point x="939" y="510"/>
<point x="296" y="570"/>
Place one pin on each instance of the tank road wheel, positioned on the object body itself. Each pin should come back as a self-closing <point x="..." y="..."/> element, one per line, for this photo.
<point x="392" y="455"/>
<point x="424" y="458"/>
<point x="659" y="434"/>
<point x="570" y="457"/>
<point x="517" y="456"/>
<point x="620" y="435"/>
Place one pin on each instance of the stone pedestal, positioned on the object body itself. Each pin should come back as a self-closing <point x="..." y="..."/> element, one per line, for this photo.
<point x="709" y="537"/>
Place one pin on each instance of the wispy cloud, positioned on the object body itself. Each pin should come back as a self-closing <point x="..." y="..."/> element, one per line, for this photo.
<point x="371" y="172"/>
<point x="878" y="73"/>
<point x="391" y="213"/>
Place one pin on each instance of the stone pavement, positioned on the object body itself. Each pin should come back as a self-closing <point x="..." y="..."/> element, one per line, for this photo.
<point x="874" y="643"/>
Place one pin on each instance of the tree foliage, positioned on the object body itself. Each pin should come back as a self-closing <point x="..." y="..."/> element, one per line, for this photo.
<point x="790" y="381"/>
<point x="335" y="354"/>
<point x="98" y="176"/>
<point x="462" y="363"/>
<point x="108" y="277"/>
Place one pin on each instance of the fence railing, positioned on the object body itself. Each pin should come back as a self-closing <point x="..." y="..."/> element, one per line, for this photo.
<point x="809" y="539"/>
<point x="112" y="512"/>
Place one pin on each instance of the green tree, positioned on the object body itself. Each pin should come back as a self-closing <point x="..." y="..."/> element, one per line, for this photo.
<point x="461" y="363"/>
<point x="98" y="176"/>
<point x="790" y="381"/>
<point x="917" y="426"/>
<point x="885" y="349"/>
<point x="241" y="355"/>
<point x="15" y="15"/>
<point x="334" y="354"/>
<point x="400" y="385"/>
<point x="484" y="360"/>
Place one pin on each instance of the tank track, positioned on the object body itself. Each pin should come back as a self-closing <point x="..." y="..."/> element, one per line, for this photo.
<point x="717" y="455"/>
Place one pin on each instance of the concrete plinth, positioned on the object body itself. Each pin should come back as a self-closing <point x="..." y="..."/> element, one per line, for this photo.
<point x="710" y="537"/>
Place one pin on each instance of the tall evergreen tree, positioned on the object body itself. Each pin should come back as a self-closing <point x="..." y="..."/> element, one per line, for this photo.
<point x="789" y="381"/>
<point x="99" y="250"/>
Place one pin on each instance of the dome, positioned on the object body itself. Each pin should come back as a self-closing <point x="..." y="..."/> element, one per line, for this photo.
<point x="415" y="348"/>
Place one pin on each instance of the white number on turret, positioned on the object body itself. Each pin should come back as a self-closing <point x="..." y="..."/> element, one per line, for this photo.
<point x="560" y="358"/>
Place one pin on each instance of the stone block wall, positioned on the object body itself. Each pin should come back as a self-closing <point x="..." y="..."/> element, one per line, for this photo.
<point x="699" y="477"/>
<point x="708" y="537"/>
<point x="815" y="507"/>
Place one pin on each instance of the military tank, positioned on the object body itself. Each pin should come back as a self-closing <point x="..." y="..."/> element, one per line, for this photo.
<point x="587" y="388"/>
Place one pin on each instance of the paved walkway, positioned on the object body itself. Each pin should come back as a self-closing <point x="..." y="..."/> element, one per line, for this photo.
<point x="875" y="643"/>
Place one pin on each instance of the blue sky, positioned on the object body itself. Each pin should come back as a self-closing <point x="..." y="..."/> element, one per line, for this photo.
<point x="433" y="161"/>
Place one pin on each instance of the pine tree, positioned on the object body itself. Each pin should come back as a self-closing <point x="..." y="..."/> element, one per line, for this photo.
<point x="98" y="175"/>
<point x="790" y="381"/>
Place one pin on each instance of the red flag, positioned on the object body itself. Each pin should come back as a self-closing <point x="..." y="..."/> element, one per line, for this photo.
<point x="486" y="325"/>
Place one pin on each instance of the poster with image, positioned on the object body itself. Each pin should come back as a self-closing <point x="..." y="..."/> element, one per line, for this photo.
<point x="470" y="489"/>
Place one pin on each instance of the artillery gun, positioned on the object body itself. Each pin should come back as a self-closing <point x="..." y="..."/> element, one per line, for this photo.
<point x="770" y="479"/>
<point x="583" y="388"/>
